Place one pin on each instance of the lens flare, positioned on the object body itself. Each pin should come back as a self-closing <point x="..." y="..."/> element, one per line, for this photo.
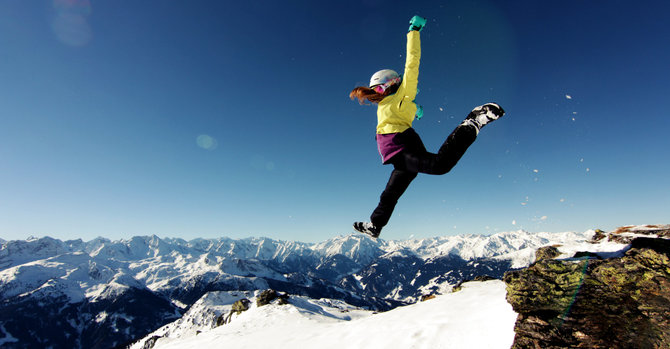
<point x="567" y="310"/>
<point x="70" y="22"/>
<point x="206" y="142"/>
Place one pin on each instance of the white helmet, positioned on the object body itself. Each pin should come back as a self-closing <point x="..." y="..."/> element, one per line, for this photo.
<point x="383" y="76"/>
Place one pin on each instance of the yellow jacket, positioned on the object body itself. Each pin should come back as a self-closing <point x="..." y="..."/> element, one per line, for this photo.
<point x="396" y="112"/>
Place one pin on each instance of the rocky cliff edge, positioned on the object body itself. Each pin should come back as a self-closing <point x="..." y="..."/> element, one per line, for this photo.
<point x="614" y="299"/>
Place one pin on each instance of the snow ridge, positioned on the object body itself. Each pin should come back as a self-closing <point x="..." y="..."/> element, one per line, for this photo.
<point x="476" y="317"/>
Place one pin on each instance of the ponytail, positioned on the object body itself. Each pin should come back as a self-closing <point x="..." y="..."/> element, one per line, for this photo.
<point x="367" y="94"/>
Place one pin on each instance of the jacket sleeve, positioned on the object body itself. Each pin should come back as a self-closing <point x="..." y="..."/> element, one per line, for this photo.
<point x="411" y="77"/>
<point x="396" y="112"/>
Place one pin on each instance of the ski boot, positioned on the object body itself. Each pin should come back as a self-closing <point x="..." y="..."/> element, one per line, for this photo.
<point x="483" y="114"/>
<point x="367" y="228"/>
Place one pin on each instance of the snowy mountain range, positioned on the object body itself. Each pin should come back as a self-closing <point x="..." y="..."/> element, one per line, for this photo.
<point x="104" y="294"/>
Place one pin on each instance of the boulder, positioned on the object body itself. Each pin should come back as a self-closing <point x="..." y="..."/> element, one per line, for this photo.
<point x="547" y="252"/>
<point x="478" y="278"/>
<point x="627" y="234"/>
<point x="427" y="297"/>
<point x="240" y="306"/>
<point x="267" y="296"/>
<point x="621" y="302"/>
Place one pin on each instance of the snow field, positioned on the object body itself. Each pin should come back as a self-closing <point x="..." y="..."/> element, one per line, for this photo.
<point x="478" y="316"/>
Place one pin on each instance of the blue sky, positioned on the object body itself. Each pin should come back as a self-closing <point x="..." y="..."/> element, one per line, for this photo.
<point x="212" y="118"/>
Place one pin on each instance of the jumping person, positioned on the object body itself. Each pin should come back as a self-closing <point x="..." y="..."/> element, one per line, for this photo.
<point x="398" y="143"/>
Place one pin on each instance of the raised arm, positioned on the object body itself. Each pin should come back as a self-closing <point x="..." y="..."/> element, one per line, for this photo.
<point x="410" y="78"/>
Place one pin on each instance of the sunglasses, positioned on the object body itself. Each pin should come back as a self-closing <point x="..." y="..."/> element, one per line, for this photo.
<point x="383" y="87"/>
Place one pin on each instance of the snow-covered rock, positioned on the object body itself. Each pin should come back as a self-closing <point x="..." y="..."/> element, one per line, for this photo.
<point x="475" y="317"/>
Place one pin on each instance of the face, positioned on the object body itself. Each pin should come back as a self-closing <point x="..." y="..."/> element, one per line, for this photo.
<point x="383" y="87"/>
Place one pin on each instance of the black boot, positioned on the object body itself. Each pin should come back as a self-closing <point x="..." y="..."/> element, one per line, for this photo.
<point x="367" y="228"/>
<point x="484" y="114"/>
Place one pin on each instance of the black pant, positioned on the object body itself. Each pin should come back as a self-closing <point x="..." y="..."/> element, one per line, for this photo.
<point x="416" y="159"/>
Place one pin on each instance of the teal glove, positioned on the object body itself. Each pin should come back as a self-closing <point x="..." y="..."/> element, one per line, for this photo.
<point x="419" y="112"/>
<point x="417" y="23"/>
